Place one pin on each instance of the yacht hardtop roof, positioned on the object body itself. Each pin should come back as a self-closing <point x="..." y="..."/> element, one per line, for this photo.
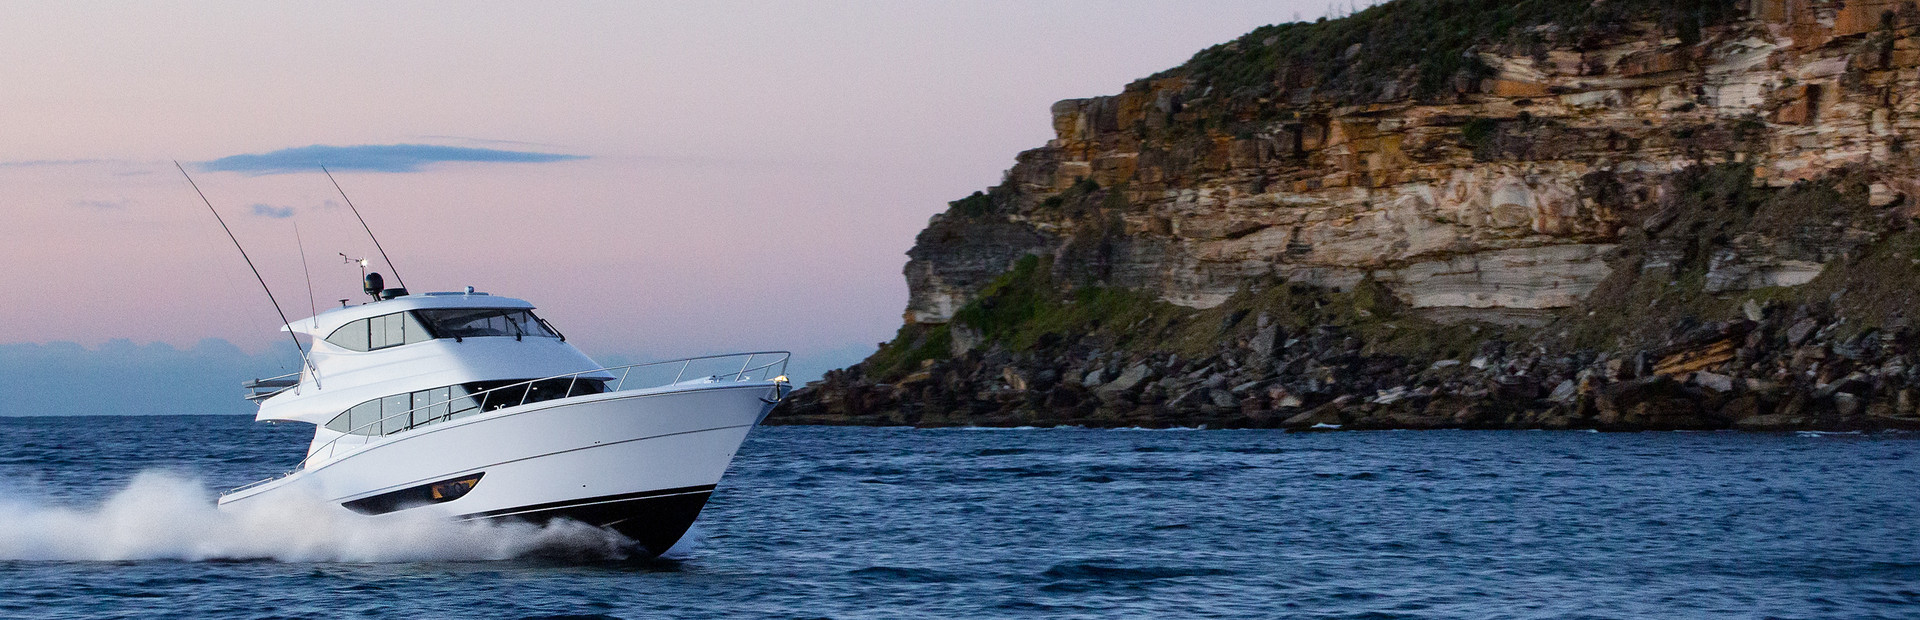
<point x="320" y="325"/>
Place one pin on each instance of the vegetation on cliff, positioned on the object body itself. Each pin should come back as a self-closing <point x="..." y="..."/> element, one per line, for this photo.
<point x="1026" y="311"/>
<point x="1365" y="56"/>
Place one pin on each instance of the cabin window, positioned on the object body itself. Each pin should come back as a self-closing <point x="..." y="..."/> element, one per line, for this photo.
<point x="352" y="336"/>
<point x="400" y="412"/>
<point x="462" y="405"/>
<point x="436" y="406"/>
<point x="393" y="413"/>
<point x="516" y="392"/>
<point x="380" y="332"/>
<point x="360" y="420"/>
<point x="484" y="322"/>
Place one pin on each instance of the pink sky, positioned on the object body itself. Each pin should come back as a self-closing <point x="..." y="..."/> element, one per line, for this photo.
<point x="754" y="171"/>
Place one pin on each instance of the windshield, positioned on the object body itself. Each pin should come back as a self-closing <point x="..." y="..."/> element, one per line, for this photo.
<point x="480" y="322"/>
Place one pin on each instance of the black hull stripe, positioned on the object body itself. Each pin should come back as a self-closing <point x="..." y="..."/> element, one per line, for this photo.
<point x="576" y="503"/>
<point x="654" y="521"/>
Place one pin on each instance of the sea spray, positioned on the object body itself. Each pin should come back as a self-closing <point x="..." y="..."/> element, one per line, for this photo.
<point x="162" y="515"/>
<point x="689" y="544"/>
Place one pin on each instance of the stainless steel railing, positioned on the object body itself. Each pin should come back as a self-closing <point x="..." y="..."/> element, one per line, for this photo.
<point x="774" y="370"/>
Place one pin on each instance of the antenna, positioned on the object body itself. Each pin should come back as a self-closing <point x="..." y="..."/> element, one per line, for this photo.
<point x="243" y="256"/>
<point x="311" y="304"/>
<point x="363" y="264"/>
<point x="369" y="229"/>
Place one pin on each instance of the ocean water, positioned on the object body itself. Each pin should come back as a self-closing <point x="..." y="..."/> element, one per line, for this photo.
<point x="106" y="517"/>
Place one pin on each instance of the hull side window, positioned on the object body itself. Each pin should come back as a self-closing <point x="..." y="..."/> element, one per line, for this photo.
<point x="401" y="412"/>
<point x="393" y="412"/>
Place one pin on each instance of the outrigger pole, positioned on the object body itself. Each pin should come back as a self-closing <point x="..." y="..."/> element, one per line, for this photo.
<point x="363" y="225"/>
<point x="256" y="271"/>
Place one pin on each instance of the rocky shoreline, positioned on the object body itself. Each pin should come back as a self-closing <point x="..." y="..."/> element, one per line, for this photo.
<point x="1777" y="368"/>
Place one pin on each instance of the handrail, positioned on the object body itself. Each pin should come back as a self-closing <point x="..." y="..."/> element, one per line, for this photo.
<point x="481" y="396"/>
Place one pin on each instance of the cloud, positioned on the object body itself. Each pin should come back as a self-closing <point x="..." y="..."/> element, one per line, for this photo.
<point x="372" y="157"/>
<point x="278" y="213"/>
<point x="102" y="205"/>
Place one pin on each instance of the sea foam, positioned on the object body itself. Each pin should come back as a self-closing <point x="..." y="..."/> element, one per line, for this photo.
<point x="162" y="515"/>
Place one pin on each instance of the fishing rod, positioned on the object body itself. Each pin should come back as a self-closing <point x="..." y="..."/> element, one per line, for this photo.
<point x="364" y="226"/>
<point x="243" y="255"/>
<point x="311" y="304"/>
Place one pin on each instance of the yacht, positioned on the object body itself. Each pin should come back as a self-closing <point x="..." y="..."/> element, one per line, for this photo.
<point x="470" y="405"/>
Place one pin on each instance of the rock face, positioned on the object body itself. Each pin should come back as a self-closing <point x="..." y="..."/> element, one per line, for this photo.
<point x="1655" y="162"/>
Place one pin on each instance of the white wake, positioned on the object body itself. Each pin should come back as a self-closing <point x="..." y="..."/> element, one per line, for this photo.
<point x="167" y="516"/>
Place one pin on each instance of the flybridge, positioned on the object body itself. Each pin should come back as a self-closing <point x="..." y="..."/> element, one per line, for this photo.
<point x="324" y="323"/>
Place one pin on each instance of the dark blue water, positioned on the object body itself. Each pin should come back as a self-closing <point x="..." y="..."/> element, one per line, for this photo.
<point x="887" y="523"/>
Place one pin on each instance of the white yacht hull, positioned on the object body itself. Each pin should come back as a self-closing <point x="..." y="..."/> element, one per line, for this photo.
<point x="642" y="462"/>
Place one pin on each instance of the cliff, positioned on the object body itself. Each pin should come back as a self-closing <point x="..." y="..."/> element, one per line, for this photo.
<point x="1445" y="213"/>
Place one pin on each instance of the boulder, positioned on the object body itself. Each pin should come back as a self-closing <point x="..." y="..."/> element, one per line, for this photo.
<point x="1800" y="330"/>
<point x="1014" y="380"/>
<point x="1133" y="376"/>
<point x="1713" y="381"/>
<point x="1564" y="392"/>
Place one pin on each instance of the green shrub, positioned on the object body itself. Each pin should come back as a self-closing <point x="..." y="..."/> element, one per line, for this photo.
<point x="976" y="205"/>
<point x="1478" y="133"/>
<point x="1009" y="301"/>
<point x="1432" y="41"/>
<point x="913" y="345"/>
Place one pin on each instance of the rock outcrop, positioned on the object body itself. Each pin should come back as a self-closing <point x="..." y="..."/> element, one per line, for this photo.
<point x="1507" y="219"/>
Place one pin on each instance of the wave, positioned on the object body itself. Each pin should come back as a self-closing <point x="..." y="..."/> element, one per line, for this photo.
<point x="166" y="516"/>
<point x="1096" y="570"/>
<point x="906" y="574"/>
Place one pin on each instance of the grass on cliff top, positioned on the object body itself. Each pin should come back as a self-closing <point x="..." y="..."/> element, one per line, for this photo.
<point x="1429" y="40"/>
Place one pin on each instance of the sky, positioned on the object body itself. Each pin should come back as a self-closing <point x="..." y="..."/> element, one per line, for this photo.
<point x="661" y="179"/>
